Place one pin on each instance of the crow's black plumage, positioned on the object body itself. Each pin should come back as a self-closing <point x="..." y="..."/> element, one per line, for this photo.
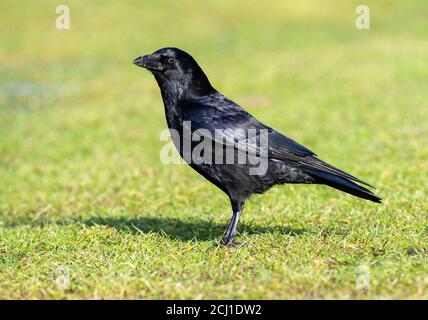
<point x="189" y="98"/>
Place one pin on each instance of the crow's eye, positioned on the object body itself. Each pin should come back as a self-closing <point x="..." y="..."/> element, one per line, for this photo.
<point x="167" y="60"/>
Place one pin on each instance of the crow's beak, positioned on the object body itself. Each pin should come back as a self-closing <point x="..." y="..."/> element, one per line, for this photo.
<point x="149" y="61"/>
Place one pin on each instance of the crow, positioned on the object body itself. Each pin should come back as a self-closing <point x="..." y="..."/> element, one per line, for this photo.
<point x="192" y="104"/>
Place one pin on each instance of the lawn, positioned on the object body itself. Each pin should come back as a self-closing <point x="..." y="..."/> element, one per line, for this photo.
<point x="87" y="209"/>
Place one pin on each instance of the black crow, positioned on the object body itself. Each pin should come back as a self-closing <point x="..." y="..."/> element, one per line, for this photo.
<point x="192" y="104"/>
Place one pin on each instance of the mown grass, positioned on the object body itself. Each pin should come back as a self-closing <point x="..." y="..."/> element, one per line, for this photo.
<point x="87" y="210"/>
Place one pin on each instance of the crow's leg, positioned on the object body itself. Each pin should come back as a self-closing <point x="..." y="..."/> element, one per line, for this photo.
<point x="230" y="233"/>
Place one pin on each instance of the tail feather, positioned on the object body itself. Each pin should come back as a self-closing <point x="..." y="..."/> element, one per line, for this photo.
<point x="318" y="164"/>
<point x="343" y="184"/>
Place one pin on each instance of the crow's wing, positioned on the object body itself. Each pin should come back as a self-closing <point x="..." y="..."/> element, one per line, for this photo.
<point x="229" y="124"/>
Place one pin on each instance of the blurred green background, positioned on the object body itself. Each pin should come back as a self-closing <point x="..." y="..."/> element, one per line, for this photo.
<point x="87" y="210"/>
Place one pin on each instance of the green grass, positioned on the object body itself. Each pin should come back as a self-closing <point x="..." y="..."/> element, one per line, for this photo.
<point x="87" y="210"/>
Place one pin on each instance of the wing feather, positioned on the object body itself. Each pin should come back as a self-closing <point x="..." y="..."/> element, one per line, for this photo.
<point x="229" y="124"/>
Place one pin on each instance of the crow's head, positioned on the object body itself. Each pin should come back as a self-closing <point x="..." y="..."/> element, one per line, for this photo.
<point x="172" y="65"/>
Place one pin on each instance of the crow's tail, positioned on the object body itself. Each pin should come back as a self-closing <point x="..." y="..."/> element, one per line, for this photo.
<point x="342" y="184"/>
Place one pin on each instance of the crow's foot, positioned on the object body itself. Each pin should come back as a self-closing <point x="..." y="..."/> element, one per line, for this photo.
<point x="230" y="242"/>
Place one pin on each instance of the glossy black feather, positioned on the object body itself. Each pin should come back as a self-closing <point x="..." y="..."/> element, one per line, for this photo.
<point x="215" y="111"/>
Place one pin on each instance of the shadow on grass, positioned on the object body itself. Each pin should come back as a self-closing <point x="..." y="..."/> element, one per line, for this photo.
<point x="199" y="230"/>
<point x="173" y="228"/>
